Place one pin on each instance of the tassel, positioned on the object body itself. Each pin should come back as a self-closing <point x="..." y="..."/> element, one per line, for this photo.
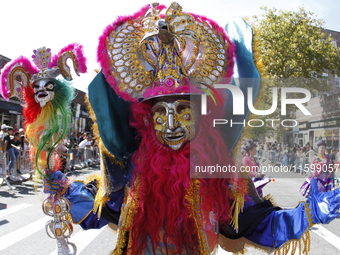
<point x="271" y="199"/>
<point x="236" y="209"/>
<point x="127" y="216"/>
<point x="290" y="247"/>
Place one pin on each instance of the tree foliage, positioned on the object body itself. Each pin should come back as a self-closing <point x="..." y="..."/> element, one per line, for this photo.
<point x="293" y="45"/>
<point x="294" y="52"/>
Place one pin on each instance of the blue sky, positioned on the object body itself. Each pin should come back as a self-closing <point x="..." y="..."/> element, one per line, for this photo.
<point x="27" y="25"/>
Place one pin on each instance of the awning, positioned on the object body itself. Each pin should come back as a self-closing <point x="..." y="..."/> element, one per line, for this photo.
<point x="11" y="108"/>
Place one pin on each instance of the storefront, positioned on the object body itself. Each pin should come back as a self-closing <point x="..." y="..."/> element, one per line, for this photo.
<point x="313" y="131"/>
<point x="11" y="113"/>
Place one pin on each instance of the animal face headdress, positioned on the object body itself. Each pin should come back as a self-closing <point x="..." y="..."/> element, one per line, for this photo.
<point x="150" y="54"/>
<point x="21" y="72"/>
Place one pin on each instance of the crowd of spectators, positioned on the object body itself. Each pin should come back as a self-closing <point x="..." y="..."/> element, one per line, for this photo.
<point x="296" y="156"/>
<point x="14" y="148"/>
<point x="79" y="148"/>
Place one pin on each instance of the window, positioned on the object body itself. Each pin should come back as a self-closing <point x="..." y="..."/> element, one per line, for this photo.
<point x="335" y="44"/>
<point x="337" y="81"/>
<point x="325" y="76"/>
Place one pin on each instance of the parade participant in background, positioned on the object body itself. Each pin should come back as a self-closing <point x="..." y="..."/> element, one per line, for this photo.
<point x="84" y="147"/>
<point x="321" y="169"/>
<point x="47" y="97"/>
<point x="251" y="164"/>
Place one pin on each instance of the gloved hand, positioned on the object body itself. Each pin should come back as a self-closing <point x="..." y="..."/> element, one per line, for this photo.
<point x="324" y="206"/>
<point x="56" y="183"/>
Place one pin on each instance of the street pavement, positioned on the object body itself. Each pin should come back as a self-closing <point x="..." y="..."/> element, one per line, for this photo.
<point x="22" y="222"/>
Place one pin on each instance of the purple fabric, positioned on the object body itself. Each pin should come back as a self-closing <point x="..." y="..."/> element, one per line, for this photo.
<point x="111" y="210"/>
<point x="324" y="205"/>
<point x="263" y="234"/>
<point x="323" y="184"/>
<point x="279" y="227"/>
<point x="92" y="221"/>
<point x="116" y="201"/>
<point x="289" y="224"/>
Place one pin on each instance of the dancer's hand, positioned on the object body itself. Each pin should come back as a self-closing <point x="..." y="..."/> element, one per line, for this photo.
<point x="56" y="183"/>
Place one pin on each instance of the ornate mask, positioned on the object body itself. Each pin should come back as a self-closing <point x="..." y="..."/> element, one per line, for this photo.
<point x="174" y="121"/>
<point x="43" y="91"/>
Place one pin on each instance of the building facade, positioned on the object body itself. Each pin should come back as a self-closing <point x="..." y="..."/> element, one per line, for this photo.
<point x="324" y="121"/>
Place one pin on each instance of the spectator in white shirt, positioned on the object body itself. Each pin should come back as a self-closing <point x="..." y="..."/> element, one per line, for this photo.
<point x="86" y="143"/>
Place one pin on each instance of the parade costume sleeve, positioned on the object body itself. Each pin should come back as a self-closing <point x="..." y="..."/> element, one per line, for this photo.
<point x="82" y="201"/>
<point x="112" y="115"/>
<point x="280" y="226"/>
<point x="270" y="227"/>
<point x="117" y="136"/>
<point x="82" y="198"/>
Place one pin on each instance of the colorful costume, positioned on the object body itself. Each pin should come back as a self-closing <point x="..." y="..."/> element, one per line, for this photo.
<point x="251" y="165"/>
<point x="321" y="168"/>
<point x="146" y="102"/>
<point x="47" y="117"/>
<point x="151" y="148"/>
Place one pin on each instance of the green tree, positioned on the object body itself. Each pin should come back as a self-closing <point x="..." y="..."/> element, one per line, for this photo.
<point x="294" y="52"/>
<point x="293" y="45"/>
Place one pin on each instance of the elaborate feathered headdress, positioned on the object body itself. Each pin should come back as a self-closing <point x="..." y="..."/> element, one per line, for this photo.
<point x="21" y="72"/>
<point x="152" y="54"/>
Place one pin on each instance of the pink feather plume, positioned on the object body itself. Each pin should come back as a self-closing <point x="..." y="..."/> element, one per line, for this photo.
<point x="6" y="71"/>
<point x="103" y="57"/>
<point x="77" y="50"/>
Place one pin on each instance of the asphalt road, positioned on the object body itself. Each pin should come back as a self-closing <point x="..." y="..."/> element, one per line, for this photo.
<point x="22" y="222"/>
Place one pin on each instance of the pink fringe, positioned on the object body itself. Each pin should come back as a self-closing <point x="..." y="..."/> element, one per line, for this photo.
<point x="4" y="78"/>
<point x="78" y="51"/>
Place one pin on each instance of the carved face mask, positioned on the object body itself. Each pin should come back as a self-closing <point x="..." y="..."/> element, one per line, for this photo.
<point x="43" y="91"/>
<point x="174" y="122"/>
